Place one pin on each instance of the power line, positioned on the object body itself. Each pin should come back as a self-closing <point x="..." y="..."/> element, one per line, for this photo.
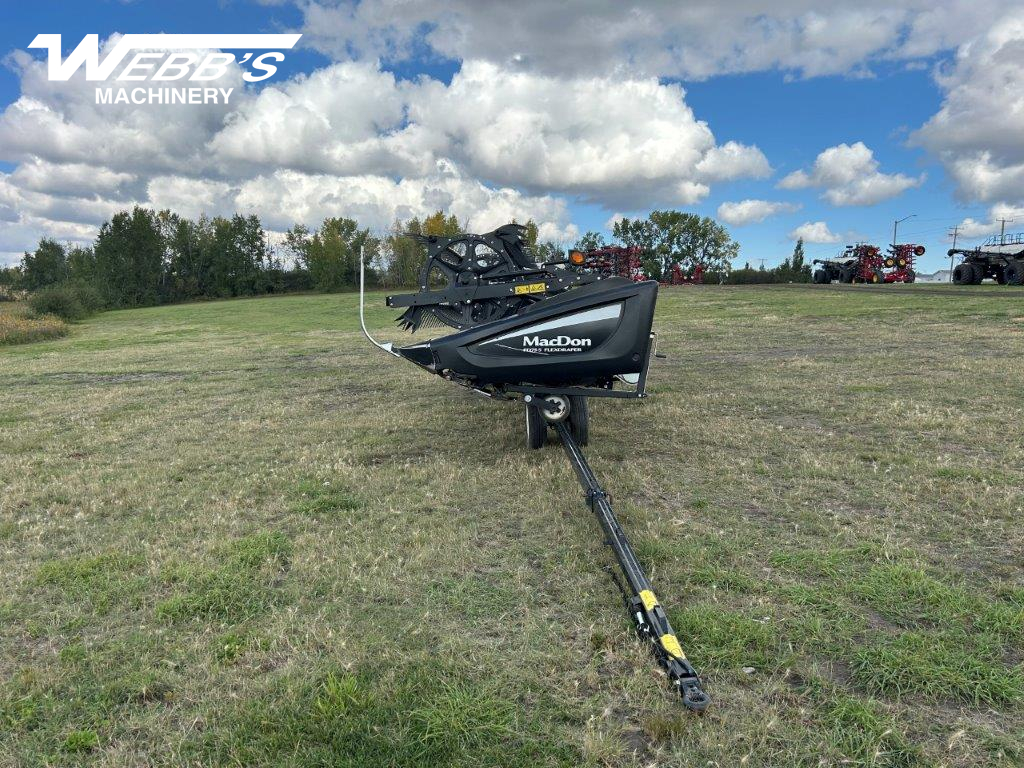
<point x="954" y="233"/>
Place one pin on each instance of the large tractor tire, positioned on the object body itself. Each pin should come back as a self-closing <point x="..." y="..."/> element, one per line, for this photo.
<point x="978" y="274"/>
<point x="1014" y="273"/>
<point x="847" y="275"/>
<point x="963" y="274"/>
<point x="910" y="276"/>
<point x="820" y="276"/>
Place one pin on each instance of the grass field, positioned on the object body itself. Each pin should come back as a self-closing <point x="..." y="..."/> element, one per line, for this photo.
<point x="235" y="534"/>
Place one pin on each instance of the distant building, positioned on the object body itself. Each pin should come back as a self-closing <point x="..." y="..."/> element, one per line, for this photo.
<point x="942" y="276"/>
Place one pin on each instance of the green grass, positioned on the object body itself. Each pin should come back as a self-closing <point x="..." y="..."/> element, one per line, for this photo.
<point x="235" y="534"/>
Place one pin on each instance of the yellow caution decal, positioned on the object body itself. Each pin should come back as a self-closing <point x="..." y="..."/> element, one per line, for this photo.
<point x="671" y="644"/>
<point x="530" y="288"/>
<point x="648" y="599"/>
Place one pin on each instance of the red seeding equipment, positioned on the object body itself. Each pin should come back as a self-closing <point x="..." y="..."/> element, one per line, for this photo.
<point x="900" y="262"/>
<point x="1000" y="258"/>
<point x="860" y="263"/>
<point x="612" y="261"/>
<point x="678" y="277"/>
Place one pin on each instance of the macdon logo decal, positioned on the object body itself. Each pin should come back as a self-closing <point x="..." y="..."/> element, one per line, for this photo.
<point x="166" y="58"/>
<point x="557" y="344"/>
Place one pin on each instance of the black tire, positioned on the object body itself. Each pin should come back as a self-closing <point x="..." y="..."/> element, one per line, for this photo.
<point x="963" y="274"/>
<point x="536" y="428"/>
<point x="820" y="276"/>
<point x="846" y="275"/>
<point x="1014" y="273"/>
<point x="579" y="419"/>
<point x="877" y="277"/>
<point x="910" y="276"/>
<point x="978" y="274"/>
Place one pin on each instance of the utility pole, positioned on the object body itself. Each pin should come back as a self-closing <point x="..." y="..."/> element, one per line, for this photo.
<point x="954" y="233"/>
<point x="1002" y="229"/>
<point x="896" y="224"/>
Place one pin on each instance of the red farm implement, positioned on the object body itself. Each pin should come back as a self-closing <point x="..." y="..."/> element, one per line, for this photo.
<point x="678" y="277"/>
<point x="856" y="264"/>
<point x="900" y="262"/>
<point x="612" y="261"/>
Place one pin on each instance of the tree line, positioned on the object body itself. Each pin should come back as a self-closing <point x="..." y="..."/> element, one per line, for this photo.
<point x="144" y="257"/>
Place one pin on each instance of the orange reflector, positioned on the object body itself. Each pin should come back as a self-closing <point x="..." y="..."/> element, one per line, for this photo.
<point x="575" y="257"/>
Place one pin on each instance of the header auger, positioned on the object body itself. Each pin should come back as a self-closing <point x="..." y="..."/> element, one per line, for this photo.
<point x="552" y="336"/>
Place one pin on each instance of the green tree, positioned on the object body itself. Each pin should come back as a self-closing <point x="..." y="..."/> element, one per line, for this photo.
<point x="331" y="254"/>
<point x="668" y="237"/>
<point x="239" y="256"/>
<point x="403" y="256"/>
<point x="548" y="251"/>
<point x="10" y="281"/>
<point x="129" y="256"/>
<point x="82" y="265"/>
<point x="798" y="255"/>
<point x="48" y="265"/>
<point x="799" y="269"/>
<point x="590" y="241"/>
<point x="190" y="253"/>
<point x="531" y="234"/>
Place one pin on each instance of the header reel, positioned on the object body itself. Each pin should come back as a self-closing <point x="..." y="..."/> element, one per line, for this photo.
<point x="469" y="279"/>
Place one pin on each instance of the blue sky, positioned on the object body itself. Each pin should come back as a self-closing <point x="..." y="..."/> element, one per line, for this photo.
<point x="877" y="95"/>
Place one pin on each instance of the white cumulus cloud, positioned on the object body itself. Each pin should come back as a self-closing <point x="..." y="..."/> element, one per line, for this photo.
<point x="814" y="232"/>
<point x="849" y="175"/>
<point x="350" y="138"/>
<point x="692" y="40"/>
<point x="753" y="211"/>
<point x="977" y="133"/>
<point x="557" y="134"/>
<point x="1000" y="216"/>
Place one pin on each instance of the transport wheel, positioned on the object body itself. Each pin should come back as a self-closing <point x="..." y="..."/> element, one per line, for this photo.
<point x="963" y="274"/>
<point x="910" y="276"/>
<point x="1014" y="273"/>
<point x="579" y="418"/>
<point x="536" y="428"/>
